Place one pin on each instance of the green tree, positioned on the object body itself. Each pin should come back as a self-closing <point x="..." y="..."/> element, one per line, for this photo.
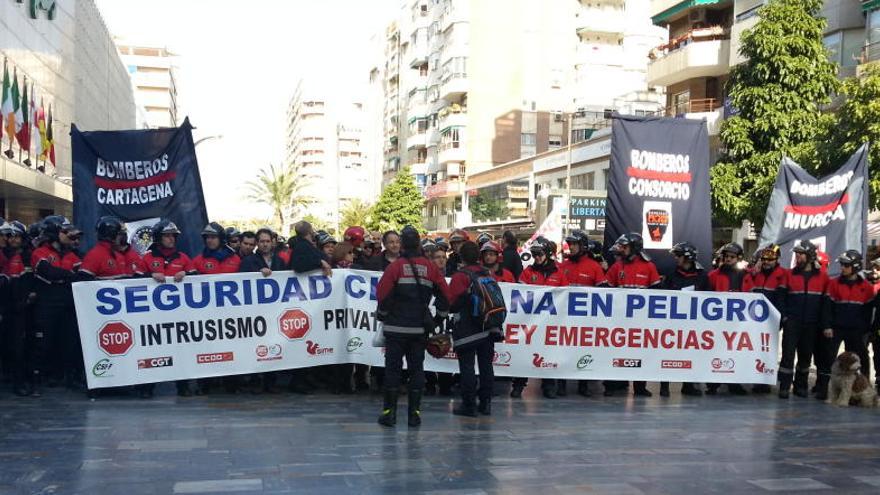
<point x="778" y="91"/>
<point x="858" y="122"/>
<point x="278" y="187"/>
<point x="485" y="208"/>
<point x="400" y="204"/>
<point x="356" y="212"/>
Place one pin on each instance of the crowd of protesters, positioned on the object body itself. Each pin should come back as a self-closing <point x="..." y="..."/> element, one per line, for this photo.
<point x="39" y="341"/>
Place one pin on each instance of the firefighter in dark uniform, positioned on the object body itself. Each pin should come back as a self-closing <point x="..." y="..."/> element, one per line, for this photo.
<point x="729" y="277"/>
<point x="633" y="269"/>
<point x="873" y="276"/>
<point x="471" y="341"/>
<point x="52" y="319"/>
<point x="846" y="315"/>
<point x="807" y="284"/>
<point x="770" y="279"/>
<point x="688" y="274"/>
<point x="404" y="293"/>
<point x="583" y="271"/>
<point x="18" y="317"/>
<point x="164" y="260"/>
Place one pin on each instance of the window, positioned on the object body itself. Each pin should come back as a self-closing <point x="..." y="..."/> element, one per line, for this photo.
<point x="583" y="181"/>
<point x="833" y="44"/>
<point x="874" y="26"/>
<point x="681" y="102"/>
<point x="451" y="138"/>
<point x="554" y="141"/>
<point x="528" y="139"/>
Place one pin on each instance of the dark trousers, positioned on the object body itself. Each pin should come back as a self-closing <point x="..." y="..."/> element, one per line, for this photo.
<point x="482" y="352"/>
<point x="46" y="354"/>
<point x="875" y="347"/>
<point x="411" y="347"/>
<point x="442" y="381"/>
<point x="552" y="384"/>
<point x="798" y="339"/>
<point x="519" y="382"/>
<point x="855" y="340"/>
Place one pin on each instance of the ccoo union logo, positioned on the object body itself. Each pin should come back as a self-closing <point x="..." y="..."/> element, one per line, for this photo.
<point x="585" y="362"/>
<point x="675" y="364"/>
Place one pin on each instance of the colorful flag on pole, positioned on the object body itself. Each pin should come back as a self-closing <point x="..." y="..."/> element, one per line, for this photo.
<point x="36" y="134"/>
<point x="50" y="138"/>
<point x="22" y="122"/>
<point x="40" y="140"/>
<point x="8" y="107"/>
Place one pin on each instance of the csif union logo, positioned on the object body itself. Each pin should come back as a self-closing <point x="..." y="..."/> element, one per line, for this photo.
<point x="269" y="352"/>
<point x="316" y="350"/>
<point x="501" y="359"/>
<point x="538" y="361"/>
<point x="101" y="368"/>
<point x="585" y="362"/>
<point x="720" y="365"/>
<point x="762" y="368"/>
<point x="354" y="344"/>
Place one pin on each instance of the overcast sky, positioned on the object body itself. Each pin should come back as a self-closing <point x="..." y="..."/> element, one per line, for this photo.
<point x="237" y="67"/>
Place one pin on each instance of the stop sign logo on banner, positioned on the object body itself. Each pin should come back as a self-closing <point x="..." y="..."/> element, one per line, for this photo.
<point x="115" y="338"/>
<point x="294" y="324"/>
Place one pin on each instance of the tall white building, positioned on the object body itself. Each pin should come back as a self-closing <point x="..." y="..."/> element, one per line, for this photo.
<point x="152" y="72"/>
<point x="325" y="130"/>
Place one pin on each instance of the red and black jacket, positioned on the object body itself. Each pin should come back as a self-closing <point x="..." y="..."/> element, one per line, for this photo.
<point x="729" y="279"/>
<point x="679" y="278"/>
<point x="502" y="275"/>
<point x="849" y="304"/>
<point x="806" y="295"/>
<point x="403" y="295"/>
<point x="584" y="271"/>
<point x="166" y="262"/>
<point x="103" y="262"/>
<point x="636" y="273"/>
<point x="547" y="274"/>
<point x="773" y="284"/>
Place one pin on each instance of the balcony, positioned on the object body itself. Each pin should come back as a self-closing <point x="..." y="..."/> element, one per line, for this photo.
<point x="592" y="20"/>
<point x="700" y="53"/>
<point x="870" y="56"/>
<point x="451" y="153"/>
<point x="416" y="141"/>
<point x="710" y="109"/>
<point x="417" y="110"/>
<point x="418" y="54"/>
<point x="454" y="86"/>
<point x="443" y="189"/>
<point x="453" y="119"/>
<point x="599" y="55"/>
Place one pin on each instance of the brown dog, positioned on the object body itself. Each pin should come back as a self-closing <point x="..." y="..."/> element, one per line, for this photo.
<point x="848" y="386"/>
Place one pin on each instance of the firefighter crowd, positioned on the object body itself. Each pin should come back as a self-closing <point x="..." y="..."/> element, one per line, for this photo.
<point x="40" y="347"/>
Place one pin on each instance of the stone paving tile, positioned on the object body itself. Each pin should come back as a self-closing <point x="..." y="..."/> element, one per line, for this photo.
<point x="789" y="484"/>
<point x="219" y="486"/>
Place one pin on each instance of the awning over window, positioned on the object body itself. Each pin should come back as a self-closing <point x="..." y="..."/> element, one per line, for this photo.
<point x="662" y="17"/>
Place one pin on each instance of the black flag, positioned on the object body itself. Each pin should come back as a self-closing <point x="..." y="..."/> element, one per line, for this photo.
<point x="139" y="176"/>
<point x="659" y="185"/>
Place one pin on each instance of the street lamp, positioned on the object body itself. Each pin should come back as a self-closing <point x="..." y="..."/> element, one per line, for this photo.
<point x="202" y="140"/>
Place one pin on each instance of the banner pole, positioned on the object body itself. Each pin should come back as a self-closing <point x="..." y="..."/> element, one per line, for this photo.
<point x="568" y="180"/>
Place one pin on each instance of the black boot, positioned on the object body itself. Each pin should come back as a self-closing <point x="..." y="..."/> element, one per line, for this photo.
<point x="414" y="409"/>
<point x="549" y="392"/>
<point x="584" y="389"/>
<point x="485" y="407"/>
<point x="468" y="408"/>
<point x="761" y="389"/>
<point x="389" y="409"/>
<point x="664" y="389"/>
<point x="801" y="378"/>
<point x="640" y="389"/>
<point x="690" y="389"/>
<point x="822" y="387"/>
<point x="784" y="384"/>
<point x="516" y="392"/>
<point x="712" y="388"/>
<point x="561" y="388"/>
<point x="736" y="389"/>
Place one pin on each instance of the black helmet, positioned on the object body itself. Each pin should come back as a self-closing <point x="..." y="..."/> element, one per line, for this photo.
<point x="595" y="248"/>
<point x="108" y="228"/>
<point x="806" y="247"/>
<point x="483" y="239"/>
<point x="410" y="238"/>
<point x="635" y="242"/>
<point x="232" y="232"/>
<point x="50" y="227"/>
<point x="441" y="244"/>
<point x="322" y="238"/>
<point x="164" y="227"/>
<point x="851" y="257"/>
<point x="18" y="228"/>
<point x="685" y="249"/>
<point x="538" y="247"/>
<point x="732" y="248"/>
<point x="34" y="230"/>
<point x="216" y="229"/>
<point x="577" y="237"/>
<point x="429" y="246"/>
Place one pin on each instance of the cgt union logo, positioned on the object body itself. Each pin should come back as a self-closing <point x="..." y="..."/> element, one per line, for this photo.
<point x="214" y="357"/>
<point x="539" y="362"/>
<point x="501" y="359"/>
<point x="675" y="364"/>
<point x="315" y="350"/>
<point x="761" y="367"/>
<point x="723" y="365"/>
<point x="269" y="352"/>
<point x="626" y="363"/>
<point x="157" y="362"/>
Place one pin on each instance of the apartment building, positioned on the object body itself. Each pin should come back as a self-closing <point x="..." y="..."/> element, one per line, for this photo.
<point x="153" y="79"/>
<point x="325" y="130"/>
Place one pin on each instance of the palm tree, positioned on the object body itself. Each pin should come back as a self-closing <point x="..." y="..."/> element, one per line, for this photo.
<point x="278" y="187"/>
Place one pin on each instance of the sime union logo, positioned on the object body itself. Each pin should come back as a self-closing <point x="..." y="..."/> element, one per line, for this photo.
<point x="761" y="367"/>
<point x="316" y="350"/>
<point x="585" y="361"/>
<point x="101" y="368"/>
<point x="538" y="361"/>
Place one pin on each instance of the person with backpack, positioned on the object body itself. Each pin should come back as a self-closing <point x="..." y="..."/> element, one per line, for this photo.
<point x="543" y="271"/>
<point x="475" y="296"/>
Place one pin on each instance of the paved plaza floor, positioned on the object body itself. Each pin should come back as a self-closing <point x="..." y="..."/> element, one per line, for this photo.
<point x="63" y="443"/>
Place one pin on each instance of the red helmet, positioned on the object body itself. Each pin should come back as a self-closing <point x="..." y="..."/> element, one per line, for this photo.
<point x="354" y="235"/>
<point x="459" y="235"/>
<point x="491" y="246"/>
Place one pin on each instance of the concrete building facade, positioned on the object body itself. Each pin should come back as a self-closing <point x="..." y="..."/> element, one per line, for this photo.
<point x="153" y="78"/>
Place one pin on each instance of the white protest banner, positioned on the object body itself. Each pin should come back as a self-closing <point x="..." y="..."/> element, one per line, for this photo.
<point x="139" y="331"/>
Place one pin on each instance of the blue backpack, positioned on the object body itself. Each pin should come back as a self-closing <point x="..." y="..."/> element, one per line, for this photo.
<point x="487" y="300"/>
